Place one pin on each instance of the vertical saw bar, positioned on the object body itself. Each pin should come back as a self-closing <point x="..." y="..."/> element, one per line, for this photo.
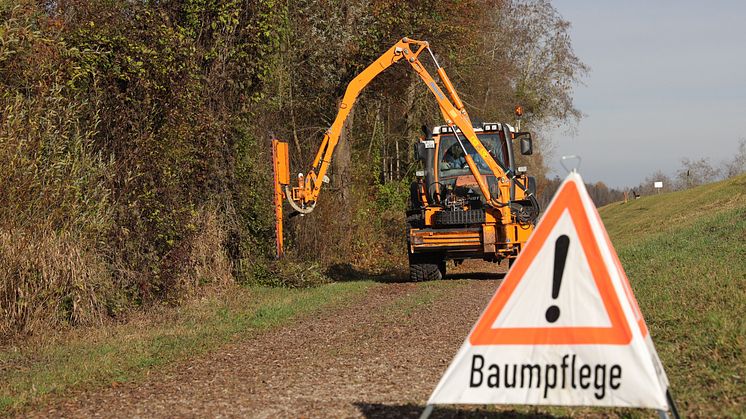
<point x="281" y="176"/>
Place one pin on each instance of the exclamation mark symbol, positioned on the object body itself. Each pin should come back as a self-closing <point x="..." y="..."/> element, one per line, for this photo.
<point x="560" y="256"/>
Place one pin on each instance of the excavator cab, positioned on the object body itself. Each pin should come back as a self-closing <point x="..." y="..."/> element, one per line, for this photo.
<point x="449" y="217"/>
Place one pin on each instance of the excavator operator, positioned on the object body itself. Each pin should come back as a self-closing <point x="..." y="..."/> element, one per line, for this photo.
<point x="454" y="158"/>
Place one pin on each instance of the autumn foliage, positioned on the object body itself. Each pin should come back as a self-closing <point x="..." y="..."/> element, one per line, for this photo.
<point x="134" y="136"/>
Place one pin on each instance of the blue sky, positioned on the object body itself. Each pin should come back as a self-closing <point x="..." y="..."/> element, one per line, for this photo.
<point x="667" y="81"/>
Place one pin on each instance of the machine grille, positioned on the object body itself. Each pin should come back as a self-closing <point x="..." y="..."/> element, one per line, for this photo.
<point x="460" y="217"/>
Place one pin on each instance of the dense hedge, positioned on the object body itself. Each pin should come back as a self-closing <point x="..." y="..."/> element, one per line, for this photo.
<point x="134" y="135"/>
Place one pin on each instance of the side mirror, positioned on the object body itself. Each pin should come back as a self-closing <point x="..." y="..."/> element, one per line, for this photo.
<point x="427" y="131"/>
<point x="527" y="147"/>
<point x="419" y="151"/>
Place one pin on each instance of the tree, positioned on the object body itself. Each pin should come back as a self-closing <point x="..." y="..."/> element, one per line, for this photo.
<point x="546" y="67"/>
<point x="526" y="58"/>
<point x="738" y="165"/>
<point x="696" y="172"/>
<point x="133" y="128"/>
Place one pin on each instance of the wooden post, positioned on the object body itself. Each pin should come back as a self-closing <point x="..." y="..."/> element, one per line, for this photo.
<point x="426" y="413"/>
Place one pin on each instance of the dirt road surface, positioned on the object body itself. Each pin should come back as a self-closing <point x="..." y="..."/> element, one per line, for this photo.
<point x="377" y="356"/>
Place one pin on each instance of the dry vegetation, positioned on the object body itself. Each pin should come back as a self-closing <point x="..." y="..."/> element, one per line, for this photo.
<point x="134" y="138"/>
<point x="49" y="279"/>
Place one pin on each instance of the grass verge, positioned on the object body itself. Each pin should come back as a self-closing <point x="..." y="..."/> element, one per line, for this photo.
<point x="691" y="286"/>
<point x="685" y="255"/>
<point x="645" y="218"/>
<point x="41" y="368"/>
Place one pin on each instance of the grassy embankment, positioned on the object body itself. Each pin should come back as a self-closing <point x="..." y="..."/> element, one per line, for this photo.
<point x="44" y="366"/>
<point x="685" y="255"/>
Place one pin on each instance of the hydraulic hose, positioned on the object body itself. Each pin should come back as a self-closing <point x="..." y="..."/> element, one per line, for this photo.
<point x="523" y="216"/>
<point x="304" y="211"/>
<point x="511" y="162"/>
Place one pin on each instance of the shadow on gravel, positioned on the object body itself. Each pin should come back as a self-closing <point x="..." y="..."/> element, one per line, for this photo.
<point x="377" y="410"/>
<point x="344" y="272"/>
<point x="476" y="275"/>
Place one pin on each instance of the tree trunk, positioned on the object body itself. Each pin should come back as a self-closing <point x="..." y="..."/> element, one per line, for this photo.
<point x="384" y="148"/>
<point x="411" y="118"/>
<point x="398" y="160"/>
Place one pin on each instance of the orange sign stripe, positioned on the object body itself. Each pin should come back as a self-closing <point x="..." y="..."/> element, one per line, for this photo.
<point x="617" y="334"/>
<point x="625" y="282"/>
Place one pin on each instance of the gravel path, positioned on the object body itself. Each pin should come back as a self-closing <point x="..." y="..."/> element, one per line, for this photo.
<point x="379" y="356"/>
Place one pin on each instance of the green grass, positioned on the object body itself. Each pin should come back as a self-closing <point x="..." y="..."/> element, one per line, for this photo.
<point x="645" y="218"/>
<point x="422" y="296"/>
<point x="685" y="255"/>
<point x="684" y="252"/>
<point x="37" y="369"/>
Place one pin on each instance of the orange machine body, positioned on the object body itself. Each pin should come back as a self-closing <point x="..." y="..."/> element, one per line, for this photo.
<point x="443" y="227"/>
<point x="484" y="168"/>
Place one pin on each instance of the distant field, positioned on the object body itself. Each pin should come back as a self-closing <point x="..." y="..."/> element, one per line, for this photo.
<point x="685" y="254"/>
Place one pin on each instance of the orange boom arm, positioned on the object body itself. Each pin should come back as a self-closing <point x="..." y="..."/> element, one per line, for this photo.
<point x="303" y="197"/>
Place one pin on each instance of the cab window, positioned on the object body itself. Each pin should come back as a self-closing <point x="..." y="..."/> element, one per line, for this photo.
<point x="452" y="162"/>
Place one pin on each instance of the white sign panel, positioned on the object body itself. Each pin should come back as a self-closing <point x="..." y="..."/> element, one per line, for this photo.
<point x="564" y="327"/>
<point x="658" y="185"/>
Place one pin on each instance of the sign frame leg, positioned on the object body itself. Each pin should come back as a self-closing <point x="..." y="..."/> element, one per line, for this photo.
<point x="426" y="413"/>
<point x="663" y="414"/>
<point x="672" y="404"/>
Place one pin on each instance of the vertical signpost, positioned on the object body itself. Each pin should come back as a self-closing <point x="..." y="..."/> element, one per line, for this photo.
<point x="658" y="186"/>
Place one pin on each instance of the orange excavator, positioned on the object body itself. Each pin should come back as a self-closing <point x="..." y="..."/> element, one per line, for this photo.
<point x="469" y="201"/>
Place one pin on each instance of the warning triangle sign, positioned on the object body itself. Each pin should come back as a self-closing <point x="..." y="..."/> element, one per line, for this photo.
<point x="577" y="274"/>
<point x="564" y="327"/>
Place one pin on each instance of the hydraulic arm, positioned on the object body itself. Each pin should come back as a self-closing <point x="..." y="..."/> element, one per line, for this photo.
<point x="303" y="197"/>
